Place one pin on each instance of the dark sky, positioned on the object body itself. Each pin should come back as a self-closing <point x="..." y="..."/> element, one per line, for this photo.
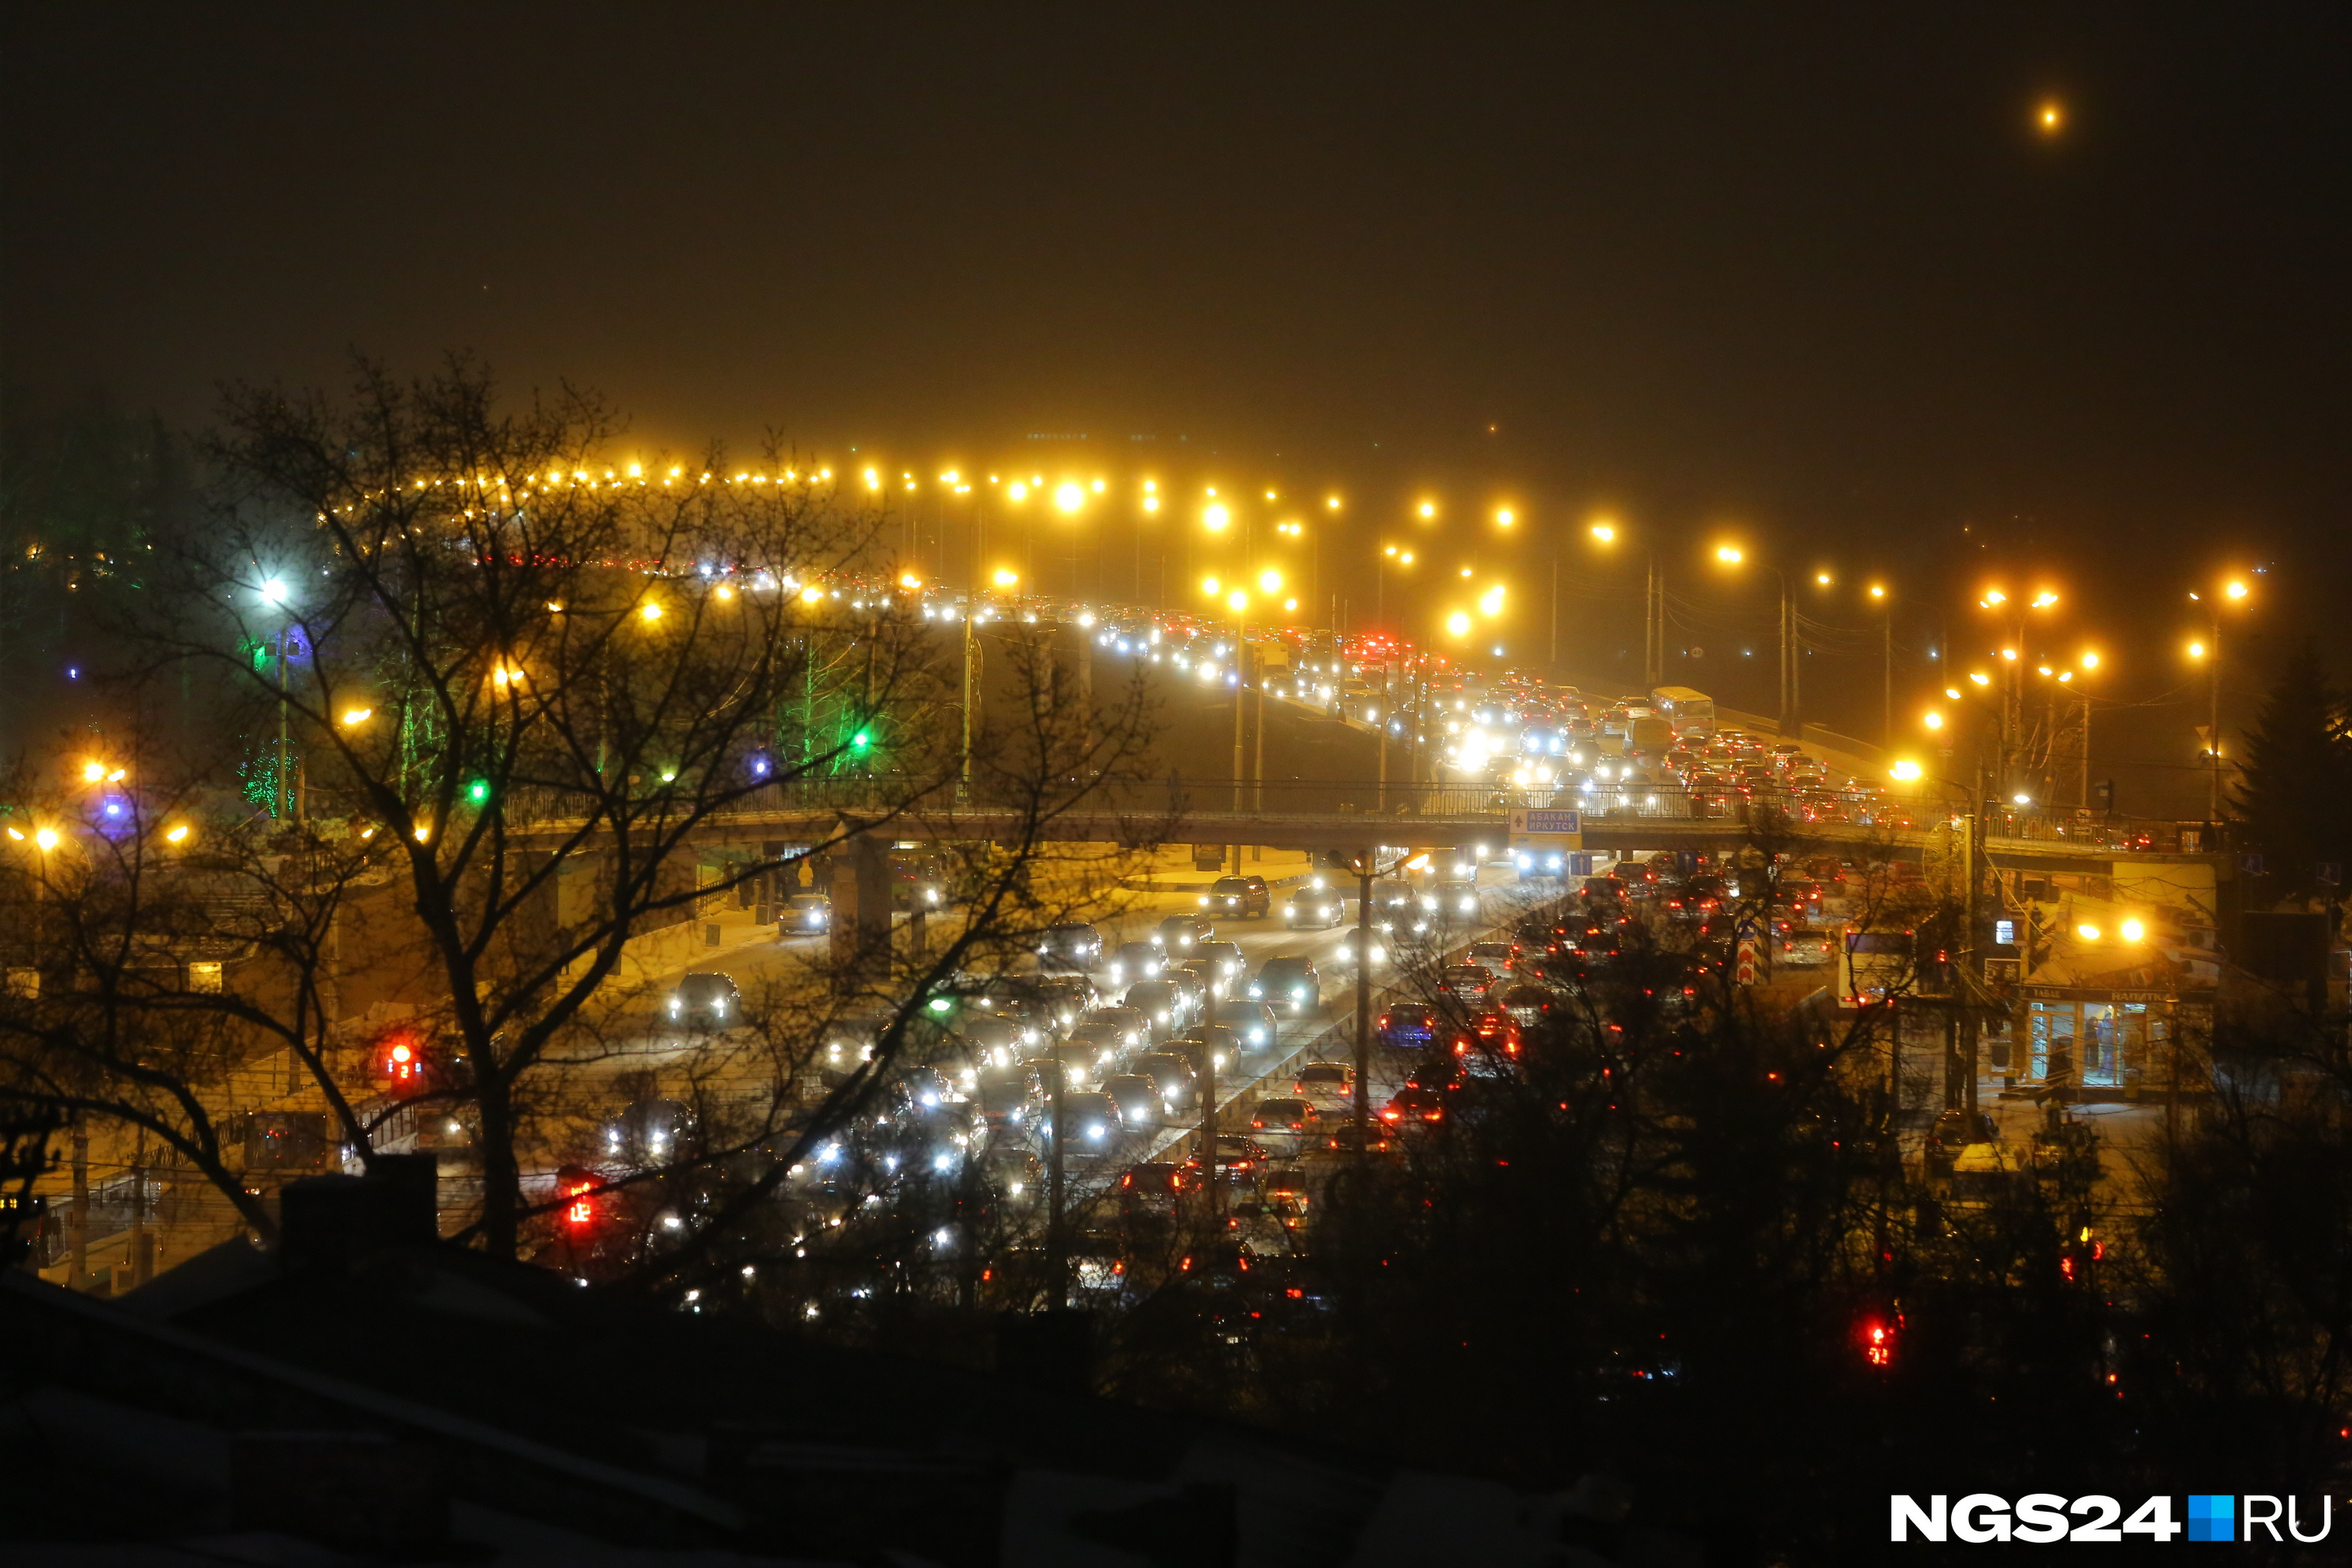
<point x="1815" y="275"/>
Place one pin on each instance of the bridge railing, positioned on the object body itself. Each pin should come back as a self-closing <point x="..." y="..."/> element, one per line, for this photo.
<point x="1188" y="796"/>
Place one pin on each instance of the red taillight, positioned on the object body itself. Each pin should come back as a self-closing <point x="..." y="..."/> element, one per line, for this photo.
<point x="1298" y="1127"/>
<point x="1256" y="1123"/>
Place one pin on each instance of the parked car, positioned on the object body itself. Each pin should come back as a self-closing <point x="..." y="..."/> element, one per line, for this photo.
<point x="1239" y="898"/>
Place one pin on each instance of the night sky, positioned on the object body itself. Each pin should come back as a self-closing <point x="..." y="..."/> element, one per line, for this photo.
<point x="1823" y="280"/>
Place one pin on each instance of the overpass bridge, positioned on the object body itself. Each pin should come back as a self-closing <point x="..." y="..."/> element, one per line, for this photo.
<point x="1300" y="815"/>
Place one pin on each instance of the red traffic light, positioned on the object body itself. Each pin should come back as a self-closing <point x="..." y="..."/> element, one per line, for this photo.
<point x="1877" y="1336"/>
<point x="400" y="1059"/>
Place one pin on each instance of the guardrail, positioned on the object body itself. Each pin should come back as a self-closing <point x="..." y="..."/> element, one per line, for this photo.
<point x="1181" y="798"/>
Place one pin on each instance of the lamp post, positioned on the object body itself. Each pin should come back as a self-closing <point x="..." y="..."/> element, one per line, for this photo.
<point x="2230" y="592"/>
<point x="1605" y="533"/>
<point x="1732" y="555"/>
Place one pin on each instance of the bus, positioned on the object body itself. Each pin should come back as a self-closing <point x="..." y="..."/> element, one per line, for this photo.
<point x="1690" y="712"/>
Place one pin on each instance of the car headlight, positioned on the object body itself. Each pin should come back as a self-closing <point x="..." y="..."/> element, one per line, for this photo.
<point x="674" y="1004"/>
<point x="1299" y="991"/>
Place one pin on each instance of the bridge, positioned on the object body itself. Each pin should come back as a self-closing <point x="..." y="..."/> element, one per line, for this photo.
<point x="1301" y="814"/>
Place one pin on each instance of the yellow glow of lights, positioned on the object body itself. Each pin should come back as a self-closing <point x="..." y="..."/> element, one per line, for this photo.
<point x="724" y="592"/>
<point x="636" y="471"/>
<point x="2044" y="599"/>
<point x="16" y="835"/>
<point x="1429" y="509"/>
<point x="1069" y="496"/>
<point x="1729" y="555"/>
<point x="177" y="835"/>
<point x="1905" y="770"/>
<point x="1505" y="517"/>
<point x="1332" y="502"/>
<point x="2131" y="930"/>
<point x="1216" y="517"/>
<point x="555" y="606"/>
<point x="1980" y="678"/>
<point x="909" y="580"/>
<point x="1018" y="490"/>
<point x="1149" y="486"/>
<point x="1006" y="579"/>
<point x="1291" y="603"/>
<point x="1877" y="591"/>
<point x="1822" y="578"/>
<point x="1933" y="719"/>
<point x="2090" y="661"/>
<point x="2010" y="654"/>
<point x="93" y="772"/>
<point x="1152" y="503"/>
<point x="1269" y="581"/>
<point x="2064" y="676"/>
<point x="1458" y="624"/>
<point x="1605" y="533"/>
<point x="812" y="594"/>
<point x="1097" y="487"/>
<point x="873" y="480"/>
<point x="1992" y="597"/>
<point x="47" y="838"/>
<point x="1269" y="495"/>
<point x="2197" y="650"/>
<point x="358" y="715"/>
<point x="423" y="833"/>
<point x="1237" y="600"/>
<point x="2087" y="931"/>
<point x="650" y="611"/>
<point x="2236" y="589"/>
<point x="1211" y="587"/>
<point x="2050" y="119"/>
<point x="1406" y="558"/>
<point x="1491" y="601"/>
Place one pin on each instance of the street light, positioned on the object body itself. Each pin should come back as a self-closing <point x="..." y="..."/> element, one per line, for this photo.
<point x="1732" y="555"/>
<point x="2233" y="592"/>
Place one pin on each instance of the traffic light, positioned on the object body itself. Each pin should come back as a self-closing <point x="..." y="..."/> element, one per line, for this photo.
<point x="1878" y="1333"/>
<point x="400" y="1060"/>
<point x="478" y="791"/>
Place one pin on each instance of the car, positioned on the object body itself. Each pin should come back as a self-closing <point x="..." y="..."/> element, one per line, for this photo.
<point x="1326" y="1080"/>
<point x="1495" y="957"/>
<point x="1393" y="905"/>
<point x="1240" y="898"/>
<point x="1015" y="1174"/>
<point x="1137" y="1098"/>
<point x="1151" y="1187"/>
<point x="1073" y="946"/>
<point x="805" y="914"/>
<point x="1208" y="1048"/>
<point x="1314" y="909"/>
<point x="1104" y="1040"/>
<point x="1240" y="1159"/>
<point x="1161" y="1005"/>
<point x="1192" y="986"/>
<point x="1344" y="1139"/>
<point x="649" y="1132"/>
<point x="1455" y="902"/>
<point x="1070" y="998"/>
<point x="1289" y="1115"/>
<point x="1468" y="982"/>
<point x="1291" y="985"/>
<point x="1226" y="955"/>
<point x="1135" y="961"/>
<point x="1526" y="1003"/>
<point x="1205" y="979"/>
<point x="1134" y="1027"/>
<point x="1092" y="1120"/>
<point x="1172" y="1075"/>
<point x="1177" y="935"/>
<point x="710" y="1000"/>
<point x="1002" y="1094"/>
<point x="1412" y="1105"/>
<point x="1253" y="1022"/>
<point x="1491" y="1031"/>
<point x="1408" y="1024"/>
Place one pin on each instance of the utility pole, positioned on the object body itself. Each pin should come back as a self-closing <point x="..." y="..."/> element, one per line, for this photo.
<point x="1058" y="1262"/>
<point x="80" y="1206"/>
<point x="2214" y="719"/>
<point x="1381" y="741"/>
<point x="970" y="672"/>
<point x="1241" y="726"/>
<point x="1555" y="616"/>
<point x="1364" y="1001"/>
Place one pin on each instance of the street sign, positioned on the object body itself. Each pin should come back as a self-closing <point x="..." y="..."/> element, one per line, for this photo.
<point x="1545" y="828"/>
<point x="1748" y="966"/>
